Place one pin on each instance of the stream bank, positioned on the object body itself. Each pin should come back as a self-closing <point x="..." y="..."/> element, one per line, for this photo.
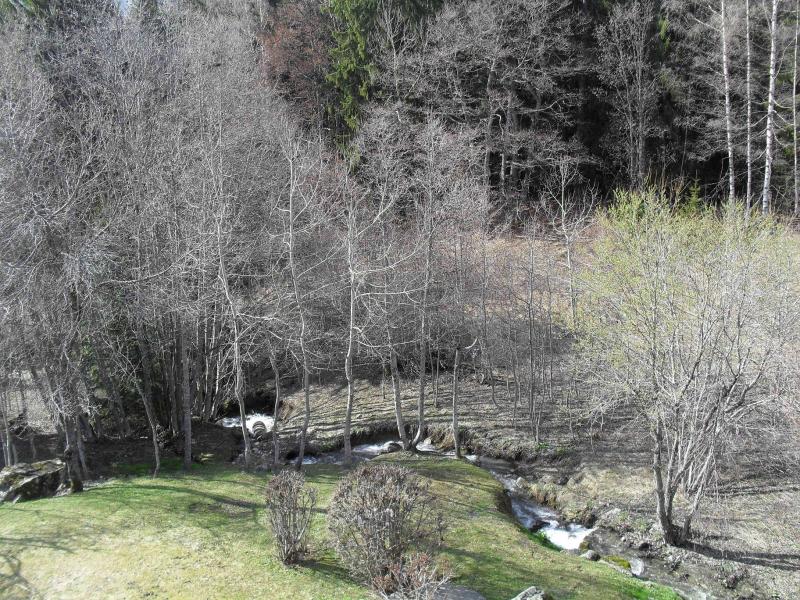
<point x="542" y="500"/>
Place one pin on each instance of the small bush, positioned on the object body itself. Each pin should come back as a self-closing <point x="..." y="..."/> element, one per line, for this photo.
<point x="378" y="513"/>
<point x="416" y="577"/>
<point x="290" y="504"/>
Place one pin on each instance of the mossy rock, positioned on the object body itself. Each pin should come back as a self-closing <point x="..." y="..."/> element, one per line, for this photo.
<point x="31" y="481"/>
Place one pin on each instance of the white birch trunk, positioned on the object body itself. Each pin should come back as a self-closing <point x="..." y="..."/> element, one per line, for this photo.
<point x="770" y="131"/>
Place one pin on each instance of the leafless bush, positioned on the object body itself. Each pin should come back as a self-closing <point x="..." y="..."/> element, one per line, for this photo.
<point x="378" y="513"/>
<point x="289" y="506"/>
<point x="416" y="577"/>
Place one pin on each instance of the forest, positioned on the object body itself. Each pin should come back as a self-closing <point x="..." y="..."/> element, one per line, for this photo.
<point x="548" y="246"/>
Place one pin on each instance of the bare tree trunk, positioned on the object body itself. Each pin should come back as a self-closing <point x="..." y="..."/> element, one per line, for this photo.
<point x="485" y="327"/>
<point x="794" y="108"/>
<point x="151" y="421"/>
<point x="31" y="433"/>
<point x="770" y="131"/>
<point x="113" y="393"/>
<point x="749" y="199"/>
<point x="238" y="383"/>
<point x="300" y="308"/>
<point x="348" y="365"/>
<point x="187" y="400"/>
<point x="81" y="448"/>
<point x="728" y="120"/>
<point x="199" y="361"/>
<point x="663" y="505"/>
<point x="398" y="400"/>
<point x="423" y="342"/>
<point x="146" y="392"/>
<point x="531" y="365"/>
<point x="456" y="438"/>
<point x="8" y="450"/>
<point x="75" y="481"/>
<point x="306" y="415"/>
<point x="175" y="350"/>
<point x="276" y="446"/>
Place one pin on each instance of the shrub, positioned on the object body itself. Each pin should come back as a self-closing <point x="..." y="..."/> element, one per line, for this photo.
<point x="416" y="577"/>
<point x="377" y="514"/>
<point x="290" y="504"/>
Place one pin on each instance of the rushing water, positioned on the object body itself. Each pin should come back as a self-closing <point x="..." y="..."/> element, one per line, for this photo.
<point x="537" y="517"/>
<point x="251" y="420"/>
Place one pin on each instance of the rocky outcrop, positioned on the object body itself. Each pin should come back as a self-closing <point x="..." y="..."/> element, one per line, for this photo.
<point x="533" y="593"/>
<point x="31" y="481"/>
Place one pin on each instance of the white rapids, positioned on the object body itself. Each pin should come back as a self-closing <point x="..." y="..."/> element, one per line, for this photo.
<point x="251" y="420"/>
<point x="529" y="514"/>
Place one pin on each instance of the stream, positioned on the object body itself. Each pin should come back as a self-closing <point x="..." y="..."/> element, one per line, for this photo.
<point x="531" y="515"/>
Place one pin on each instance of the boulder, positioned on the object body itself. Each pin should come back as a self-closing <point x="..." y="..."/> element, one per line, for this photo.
<point x="260" y="430"/>
<point x="31" y="481"/>
<point x="637" y="567"/>
<point x="533" y="593"/>
<point x="590" y="555"/>
<point x="392" y="447"/>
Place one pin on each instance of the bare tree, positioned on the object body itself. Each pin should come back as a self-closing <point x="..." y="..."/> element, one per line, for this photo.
<point x="769" y="132"/>
<point x="689" y="322"/>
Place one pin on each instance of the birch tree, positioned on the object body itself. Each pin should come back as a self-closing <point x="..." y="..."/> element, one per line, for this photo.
<point x="769" y="131"/>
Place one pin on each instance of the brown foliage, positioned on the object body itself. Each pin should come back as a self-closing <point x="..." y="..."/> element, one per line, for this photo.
<point x="290" y="504"/>
<point x="378" y="513"/>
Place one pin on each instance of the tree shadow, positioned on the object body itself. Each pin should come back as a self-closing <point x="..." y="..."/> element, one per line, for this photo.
<point x="783" y="562"/>
<point x="13" y="584"/>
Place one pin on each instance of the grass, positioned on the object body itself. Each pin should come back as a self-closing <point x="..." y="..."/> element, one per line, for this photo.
<point x="541" y="539"/>
<point x="204" y="535"/>
<point x="619" y="561"/>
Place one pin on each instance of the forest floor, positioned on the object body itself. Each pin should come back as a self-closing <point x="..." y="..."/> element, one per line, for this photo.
<point x="203" y="534"/>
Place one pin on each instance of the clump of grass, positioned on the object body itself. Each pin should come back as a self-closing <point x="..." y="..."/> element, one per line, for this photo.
<point x="541" y="539"/>
<point x="619" y="561"/>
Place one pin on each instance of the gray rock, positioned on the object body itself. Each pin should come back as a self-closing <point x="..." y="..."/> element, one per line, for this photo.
<point x="392" y="447"/>
<point x="610" y="516"/>
<point x="260" y="431"/>
<point x="532" y="593"/>
<point x="31" y="481"/>
<point x="637" y="567"/>
<point x="456" y="592"/>
<point x="590" y="555"/>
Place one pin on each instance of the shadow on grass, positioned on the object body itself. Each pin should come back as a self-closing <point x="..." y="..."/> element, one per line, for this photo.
<point x="780" y="561"/>
<point x="13" y="584"/>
